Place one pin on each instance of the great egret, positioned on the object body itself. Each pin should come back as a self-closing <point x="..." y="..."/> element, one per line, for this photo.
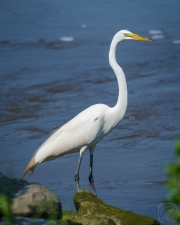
<point x="86" y="129"/>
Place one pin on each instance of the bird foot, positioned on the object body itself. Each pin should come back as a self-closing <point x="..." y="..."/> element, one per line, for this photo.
<point x="91" y="181"/>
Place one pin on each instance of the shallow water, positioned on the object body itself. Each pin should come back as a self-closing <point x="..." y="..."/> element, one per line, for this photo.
<point x="54" y="64"/>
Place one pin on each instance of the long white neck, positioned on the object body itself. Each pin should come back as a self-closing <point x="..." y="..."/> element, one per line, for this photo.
<point x="118" y="111"/>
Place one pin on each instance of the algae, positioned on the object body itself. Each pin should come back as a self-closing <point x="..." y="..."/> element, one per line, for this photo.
<point x="93" y="211"/>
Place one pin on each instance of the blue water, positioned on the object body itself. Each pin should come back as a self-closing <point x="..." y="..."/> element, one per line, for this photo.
<point x="45" y="81"/>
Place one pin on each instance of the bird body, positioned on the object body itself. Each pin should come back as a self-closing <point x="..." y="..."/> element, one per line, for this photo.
<point x="86" y="129"/>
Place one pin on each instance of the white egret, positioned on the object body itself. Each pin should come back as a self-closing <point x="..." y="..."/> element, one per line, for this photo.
<point x="86" y="129"/>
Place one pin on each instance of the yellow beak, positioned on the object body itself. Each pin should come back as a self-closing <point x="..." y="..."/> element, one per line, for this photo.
<point x="138" y="37"/>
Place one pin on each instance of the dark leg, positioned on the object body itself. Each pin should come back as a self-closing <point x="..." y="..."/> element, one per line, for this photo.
<point x="76" y="176"/>
<point x="91" y="180"/>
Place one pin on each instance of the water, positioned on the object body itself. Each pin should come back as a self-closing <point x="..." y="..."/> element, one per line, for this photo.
<point x="54" y="64"/>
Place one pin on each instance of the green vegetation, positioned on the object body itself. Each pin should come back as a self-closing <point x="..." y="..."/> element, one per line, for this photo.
<point x="173" y="184"/>
<point x="5" y="203"/>
<point x="5" y="210"/>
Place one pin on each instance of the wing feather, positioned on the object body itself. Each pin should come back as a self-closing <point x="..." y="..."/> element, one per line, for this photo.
<point x="86" y="129"/>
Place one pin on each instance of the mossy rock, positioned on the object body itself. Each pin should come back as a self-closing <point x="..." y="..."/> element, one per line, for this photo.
<point x="93" y="211"/>
<point x="85" y="219"/>
<point x="29" y="200"/>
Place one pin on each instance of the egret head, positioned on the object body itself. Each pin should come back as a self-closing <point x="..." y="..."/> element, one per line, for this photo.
<point x="127" y="35"/>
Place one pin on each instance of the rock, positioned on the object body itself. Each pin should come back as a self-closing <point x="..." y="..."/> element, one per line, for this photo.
<point x="30" y="200"/>
<point x="35" y="200"/>
<point x="93" y="211"/>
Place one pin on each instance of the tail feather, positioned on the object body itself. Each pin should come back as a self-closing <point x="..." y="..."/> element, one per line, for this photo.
<point x="30" y="166"/>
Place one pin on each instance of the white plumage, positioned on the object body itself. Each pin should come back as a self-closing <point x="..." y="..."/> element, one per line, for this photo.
<point x="73" y="135"/>
<point x="86" y="129"/>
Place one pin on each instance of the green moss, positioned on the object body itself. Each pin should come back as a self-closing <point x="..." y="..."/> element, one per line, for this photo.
<point x="82" y="196"/>
<point x="47" y="210"/>
<point x="70" y="217"/>
<point x="91" y="210"/>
